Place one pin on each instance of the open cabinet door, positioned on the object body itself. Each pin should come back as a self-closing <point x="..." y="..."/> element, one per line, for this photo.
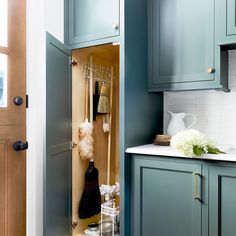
<point x="57" y="167"/>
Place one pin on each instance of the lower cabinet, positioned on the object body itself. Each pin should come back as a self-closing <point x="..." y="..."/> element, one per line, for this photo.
<point x="222" y="201"/>
<point x="182" y="197"/>
<point x="166" y="198"/>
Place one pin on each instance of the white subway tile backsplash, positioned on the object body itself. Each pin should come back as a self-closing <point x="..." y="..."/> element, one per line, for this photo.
<point x="215" y="110"/>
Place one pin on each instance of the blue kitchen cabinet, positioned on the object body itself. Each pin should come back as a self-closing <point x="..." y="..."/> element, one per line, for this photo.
<point x="225" y="22"/>
<point x="166" y="197"/>
<point x="222" y="200"/>
<point x="89" y="22"/>
<point x="57" y="160"/>
<point x="182" y="53"/>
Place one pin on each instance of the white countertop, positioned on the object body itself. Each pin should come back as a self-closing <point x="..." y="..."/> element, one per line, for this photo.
<point x="151" y="149"/>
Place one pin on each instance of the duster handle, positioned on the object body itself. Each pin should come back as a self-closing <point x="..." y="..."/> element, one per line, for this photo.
<point x="86" y="97"/>
<point x="91" y="93"/>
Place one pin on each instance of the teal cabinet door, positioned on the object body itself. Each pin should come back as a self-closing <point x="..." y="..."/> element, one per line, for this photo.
<point x="166" y="197"/>
<point x="222" y="201"/>
<point x="182" y="45"/>
<point x="89" y="20"/>
<point x="225" y="22"/>
<point x="57" y="161"/>
<point x="231" y="17"/>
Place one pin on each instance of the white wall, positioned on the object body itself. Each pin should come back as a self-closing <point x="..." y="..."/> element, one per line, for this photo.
<point x="215" y="110"/>
<point x="41" y="16"/>
<point x="54" y="10"/>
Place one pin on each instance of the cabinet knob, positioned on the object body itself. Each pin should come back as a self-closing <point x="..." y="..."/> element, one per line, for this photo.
<point x="115" y="26"/>
<point x="210" y="70"/>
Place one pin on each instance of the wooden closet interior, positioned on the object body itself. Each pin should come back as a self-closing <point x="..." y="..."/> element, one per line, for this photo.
<point x="101" y="58"/>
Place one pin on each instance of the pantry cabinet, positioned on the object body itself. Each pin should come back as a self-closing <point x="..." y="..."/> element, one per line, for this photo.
<point x="222" y="200"/>
<point x="182" y="46"/>
<point x="130" y="70"/>
<point x="166" y="197"/>
<point x="90" y="22"/>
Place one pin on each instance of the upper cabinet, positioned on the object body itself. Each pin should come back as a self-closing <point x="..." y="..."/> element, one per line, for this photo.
<point x="91" y="22"/>
<point x="226" y="22"/>
<point x="182" y="46"/>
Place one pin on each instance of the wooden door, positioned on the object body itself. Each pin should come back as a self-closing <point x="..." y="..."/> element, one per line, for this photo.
<point x="222" y="200"/>
<point x="57" y="174"/>
<point x="164" y="198"/>
<point x="12" y="117"/>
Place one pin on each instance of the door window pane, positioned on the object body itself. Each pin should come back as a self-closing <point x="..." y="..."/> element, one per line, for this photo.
<point x="3" y="80"/>
<point x="3" y="22"/>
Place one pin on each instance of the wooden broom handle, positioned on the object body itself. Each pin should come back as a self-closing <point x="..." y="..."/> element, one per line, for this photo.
<point x="110" y="132"/>
<point x="91" y="93"/>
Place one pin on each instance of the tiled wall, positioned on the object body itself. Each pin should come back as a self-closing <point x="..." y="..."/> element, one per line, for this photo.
<point x="215" y="110"/>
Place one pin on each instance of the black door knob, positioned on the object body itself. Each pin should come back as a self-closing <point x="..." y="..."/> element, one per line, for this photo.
<point x="18" y="100"/>
<point x="20" y="146"/>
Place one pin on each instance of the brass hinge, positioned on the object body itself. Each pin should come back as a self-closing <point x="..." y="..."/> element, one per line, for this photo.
<point x="73" y="62"/>
<point x="73" y="145"/>
<point x="74" y="224"/>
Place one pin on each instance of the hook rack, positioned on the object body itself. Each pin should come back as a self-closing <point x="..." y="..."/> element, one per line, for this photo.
<point x="100" y="73"/>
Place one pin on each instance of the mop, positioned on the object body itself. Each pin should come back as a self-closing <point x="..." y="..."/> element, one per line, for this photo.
<point x="90" y="203"/>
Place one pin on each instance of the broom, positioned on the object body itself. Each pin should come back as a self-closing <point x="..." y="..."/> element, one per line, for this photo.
<point x="90" y="203"/>
<point x="104" y="103"/>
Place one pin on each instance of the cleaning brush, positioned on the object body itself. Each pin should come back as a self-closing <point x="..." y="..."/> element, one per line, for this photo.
<point x="104" y="101"/>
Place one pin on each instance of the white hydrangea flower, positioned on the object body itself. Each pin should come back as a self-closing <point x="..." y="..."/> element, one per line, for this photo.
<point x="185" y="141"/>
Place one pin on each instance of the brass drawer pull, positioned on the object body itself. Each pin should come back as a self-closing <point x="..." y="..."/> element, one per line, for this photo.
<point x="197" y="186"/>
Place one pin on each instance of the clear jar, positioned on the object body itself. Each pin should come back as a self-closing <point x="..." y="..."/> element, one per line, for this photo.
<point x="92" y="230"/>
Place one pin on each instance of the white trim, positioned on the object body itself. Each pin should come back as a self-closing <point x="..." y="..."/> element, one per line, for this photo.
<point x="36" y="89"/>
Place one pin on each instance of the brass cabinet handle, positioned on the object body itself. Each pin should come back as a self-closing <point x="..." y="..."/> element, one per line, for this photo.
<point x="197" y="186"/>
<point x="210" y="70"/>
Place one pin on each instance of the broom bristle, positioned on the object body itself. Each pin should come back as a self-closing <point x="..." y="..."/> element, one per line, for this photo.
<point x="104" y="102"/>
<point x="90" y="203"/>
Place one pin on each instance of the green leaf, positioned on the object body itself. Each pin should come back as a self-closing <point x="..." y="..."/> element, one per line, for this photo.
<point x="198" y="151"/>
<point x="215" y="150"/>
